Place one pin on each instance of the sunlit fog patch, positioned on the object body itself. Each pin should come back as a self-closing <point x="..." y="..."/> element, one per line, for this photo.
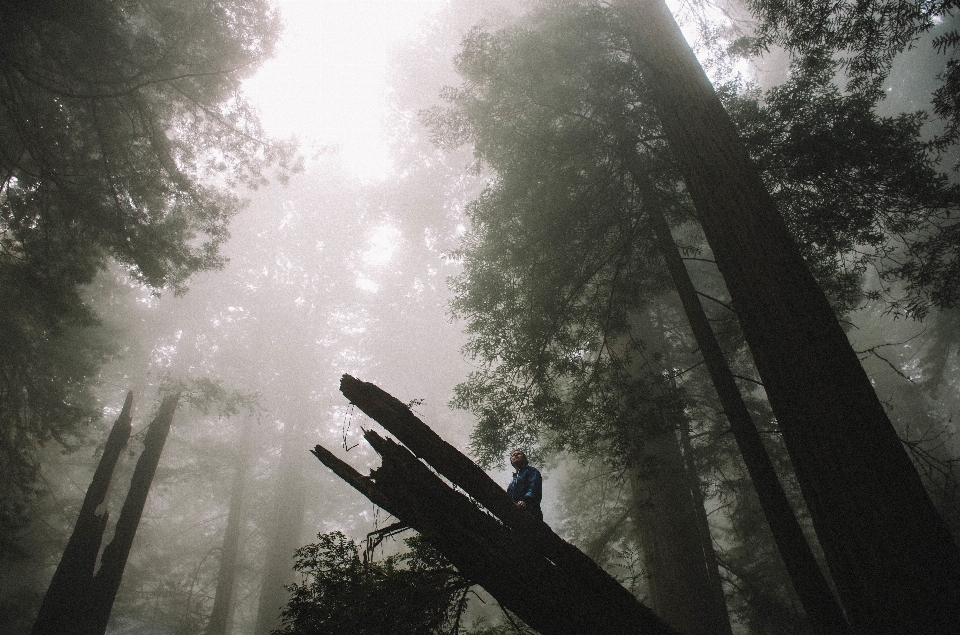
<point x="350" y="323"/>
<point x="329" y="81"/>
<point x="382" y="243"/>
<point x="366" y="284"/>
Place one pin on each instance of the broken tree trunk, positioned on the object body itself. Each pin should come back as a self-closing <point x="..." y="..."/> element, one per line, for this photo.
<point x="114" y="559"/>
<point x="81" y="602"/>
<point x="66" y="598"/>
<point x="518" y="559"/>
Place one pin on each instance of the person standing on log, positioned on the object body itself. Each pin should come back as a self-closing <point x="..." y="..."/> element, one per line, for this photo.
<point x="526" y="488"/>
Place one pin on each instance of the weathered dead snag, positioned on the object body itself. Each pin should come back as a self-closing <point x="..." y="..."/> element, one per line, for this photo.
<point x="518" y="559"/>
<point x="79" y="601"/>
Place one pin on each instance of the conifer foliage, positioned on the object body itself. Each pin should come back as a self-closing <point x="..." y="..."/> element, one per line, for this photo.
<point x="121" y="126"/>
<point x="417" y="591"/>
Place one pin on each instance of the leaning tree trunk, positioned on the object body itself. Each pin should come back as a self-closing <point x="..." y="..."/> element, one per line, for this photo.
<point x="66" y="600"/>
<point x="106" y="583"/>
<point x="517" y="558"/>
<point x="894" y="562"/>
<point x="810" y="584"/>
<point x="222" y="612"/>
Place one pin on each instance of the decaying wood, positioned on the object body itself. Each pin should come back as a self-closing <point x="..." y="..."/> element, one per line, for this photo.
<point x="530" y="570"/>
<point x="397" y="418"/>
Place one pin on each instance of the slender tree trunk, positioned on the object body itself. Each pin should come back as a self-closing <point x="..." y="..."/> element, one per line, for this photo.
<point x="678" y="585"/>
<point x="895" y="564"/>
<point x="706" y="539"/>
<point x="222" y="613"/>
<point x="810" y="584"/>
<point x="66" y="599"/>
<point x="106" y="582"/>
<point x="283" y="540"/>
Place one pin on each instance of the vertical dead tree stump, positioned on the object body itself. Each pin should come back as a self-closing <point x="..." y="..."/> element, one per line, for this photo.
<point x="79" y="601"/>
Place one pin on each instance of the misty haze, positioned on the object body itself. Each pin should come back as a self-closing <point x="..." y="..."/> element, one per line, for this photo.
<point x="291" y="291"/>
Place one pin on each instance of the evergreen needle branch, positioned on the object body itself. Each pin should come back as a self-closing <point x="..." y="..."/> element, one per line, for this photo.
<point x="720" y="302"/>
<point x="683" y="372"/>
<point x="749" y="379"/>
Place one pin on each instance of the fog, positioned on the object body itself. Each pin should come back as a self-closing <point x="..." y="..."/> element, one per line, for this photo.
<point x="348" y="266"/>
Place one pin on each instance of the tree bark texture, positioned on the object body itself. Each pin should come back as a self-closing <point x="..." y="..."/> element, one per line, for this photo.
<point x="678" y="585"/>
<point x="221" y="614"/>
<point x="66" y="599"/>
<point x="894" y="562"/>
<point x="809" y="582"/>
<point x="505" y="554"/>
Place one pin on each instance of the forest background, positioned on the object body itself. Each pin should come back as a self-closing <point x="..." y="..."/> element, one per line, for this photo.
<point x="323" y="274"/>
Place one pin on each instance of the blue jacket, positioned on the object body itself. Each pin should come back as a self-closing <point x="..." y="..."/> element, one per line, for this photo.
<point x="527" y="486"/>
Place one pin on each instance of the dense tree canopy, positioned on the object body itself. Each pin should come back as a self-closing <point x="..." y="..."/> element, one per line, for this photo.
<point x="121" y="125"/>
<point x="550" y="288"/>
<point x="867" y="36"/>
<point x="561" y="254"/>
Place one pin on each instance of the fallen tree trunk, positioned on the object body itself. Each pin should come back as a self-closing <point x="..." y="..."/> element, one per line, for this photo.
<point x="397" y="418"/>
<point x="530" y="570"/>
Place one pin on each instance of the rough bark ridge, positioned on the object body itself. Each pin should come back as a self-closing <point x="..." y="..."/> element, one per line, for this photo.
<point x="894" y="562"/>
<point x="518" y="559"/>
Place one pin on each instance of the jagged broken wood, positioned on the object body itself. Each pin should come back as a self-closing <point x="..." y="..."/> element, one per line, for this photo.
<point x="80" y="601"/>
<point x="518" y="559"/>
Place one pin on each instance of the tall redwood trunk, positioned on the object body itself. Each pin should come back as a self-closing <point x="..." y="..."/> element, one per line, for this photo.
<point x="66" y="599"/>
<point x="675" y="565"/>
<point x="810" y="584"/>
<point x="706" y="538"/>
<point x="895" y="564"/>
<point x="677" y="581"/>
<point x="222" y="613"/>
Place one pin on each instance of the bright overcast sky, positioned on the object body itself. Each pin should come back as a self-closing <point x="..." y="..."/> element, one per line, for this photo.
<point x="327" y="83"/>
